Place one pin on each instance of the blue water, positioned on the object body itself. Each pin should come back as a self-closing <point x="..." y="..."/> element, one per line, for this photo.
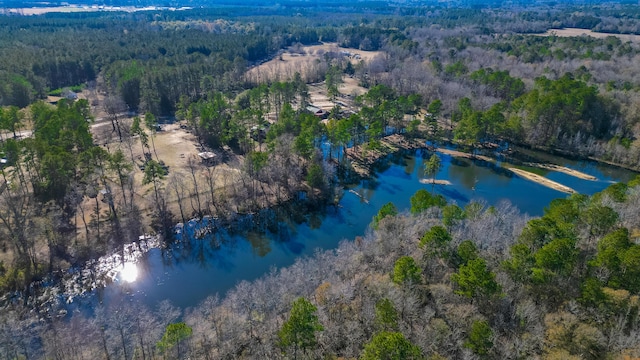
<point x="186" y="275"/>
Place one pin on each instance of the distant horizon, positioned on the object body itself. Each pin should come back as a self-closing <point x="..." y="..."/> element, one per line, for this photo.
<point x="141" y="4"/>
<point x="81" y="8"/>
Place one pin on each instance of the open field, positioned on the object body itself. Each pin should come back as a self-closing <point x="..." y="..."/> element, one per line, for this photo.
<point x="569" y="32"/>
<point x="74" y="9"/>
<point x="174" y="146"/>
<point x="46" y="10"/>
<point x="304" y="61"/>
<point x="319" y="50"/>
<point x="348" y="90"/>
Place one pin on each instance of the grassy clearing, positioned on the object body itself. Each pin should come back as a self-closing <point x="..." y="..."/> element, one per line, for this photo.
<point x="571" y="32"/>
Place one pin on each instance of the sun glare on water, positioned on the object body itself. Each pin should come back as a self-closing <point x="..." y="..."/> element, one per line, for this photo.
<point x="129" y="272"/>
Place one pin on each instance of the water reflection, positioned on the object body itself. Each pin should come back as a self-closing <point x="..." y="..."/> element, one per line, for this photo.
<point x="470" y="173"/>
<point x="213" y="258"/>
<point x="410" y="166"/>
<point x="129" y="272"/>
<point x="453" y="194"/>
<point x="260" y="243"/>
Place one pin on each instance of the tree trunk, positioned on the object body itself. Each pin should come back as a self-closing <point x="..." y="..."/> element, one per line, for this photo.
<point x="153" y="143"/>
<point x="104" y="345"/>
<point x="97" y="220"/>
<point x="124" y="343"/>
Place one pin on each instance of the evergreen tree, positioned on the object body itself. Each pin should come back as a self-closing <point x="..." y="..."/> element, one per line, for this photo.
<point x="300" y="330"/>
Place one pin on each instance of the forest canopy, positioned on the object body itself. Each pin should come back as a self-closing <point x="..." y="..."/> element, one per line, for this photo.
<point x="86" y="100"/>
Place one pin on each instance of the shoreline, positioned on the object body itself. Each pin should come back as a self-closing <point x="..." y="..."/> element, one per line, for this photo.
<point x="528" y="175"/>
<point x="562" y="169"/>
<point x="569" y="155"/>
<point x="362" y="159"/>
<point x="541" y="180"/>
<point x="393" y="143"/>
<point x="434" y="182"/>
<point x="51" y="296"/>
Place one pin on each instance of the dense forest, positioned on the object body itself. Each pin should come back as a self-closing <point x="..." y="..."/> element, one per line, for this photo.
<point x="82" y="177"/>
<point x="438" y="282"/>
<point x="155" y="61"/>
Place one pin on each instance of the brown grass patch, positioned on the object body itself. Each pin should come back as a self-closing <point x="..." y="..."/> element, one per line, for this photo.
<point x="305" y="62"/>
<point x="571" y="32"/>
<point x="173" y="146"/>
<point x="72" y="9"/>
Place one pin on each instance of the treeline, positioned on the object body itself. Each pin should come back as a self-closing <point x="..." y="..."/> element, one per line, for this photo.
<point x="554" y="114"/>
<point x="494" y="86"/>
<point x="75" y="201"/>
<point x="536" y="49"/>
<point x="139" y="61"/>
<point x="46" y="179"/>
<point x="150" y="58"/>
<point x="437" y="282"/>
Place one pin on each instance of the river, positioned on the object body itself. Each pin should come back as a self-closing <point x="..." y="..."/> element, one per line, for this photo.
<point x="186" y="274"/>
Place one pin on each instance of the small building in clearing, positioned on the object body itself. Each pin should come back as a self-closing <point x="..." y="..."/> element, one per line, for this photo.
<point x="208" y="158"/>
<point x="316" y="111"/>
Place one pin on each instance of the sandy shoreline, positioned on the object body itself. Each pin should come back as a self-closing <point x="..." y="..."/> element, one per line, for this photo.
<point x="527" y="174"/>
<point x="395" y="142"/>
<point x="435" y="181"/>
<point x="562" y="169"/>
<point x="541" y="180"/>
<point x="465" y="155"/>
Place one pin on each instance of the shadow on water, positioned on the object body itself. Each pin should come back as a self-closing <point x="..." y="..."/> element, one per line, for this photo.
<point x="279" y="225"/>
<point x="392" y="189"/>
<point x="260" y="243"/>
<point x="460" y="162"/>
<point x="527" y="155"/>
<point x="453" y="194"/>
<point x="200" y="242"/>
<point x="494" y="168"/>
<point x="398" y="172"/>
<point x="214" y="256"/>
<point x="371" y="183"/>
<point x="294" y="247"/>
<point x="401" y="158"/>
